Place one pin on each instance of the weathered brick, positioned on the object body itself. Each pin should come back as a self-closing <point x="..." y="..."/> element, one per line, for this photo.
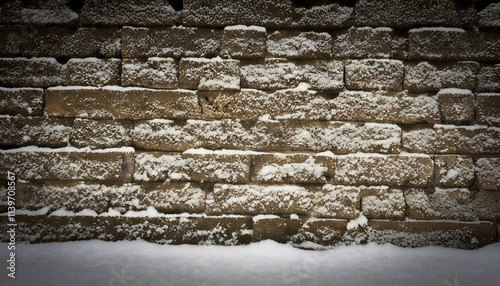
<point x="330" y="16"/>
<point x="22" y="101"/>
<point x="398" y="170"/>
<point x="489" y="18"/>
<point x="24" y="131"/>
<point x="453" y="44"/>
<point x="291" y="168"/>
<point x="93" y="71"/>
<point x="488" y="173"/>
<point x="121" y="103"/>
<point x="489" y="79"/>
<point x="130" y="12"/>
<point x="209" y="74"/>
<point x="382" y="106"/>
<point x="299" y="45"/>
<point x="488" y="109"/>
<point x="327" y="201"/>
<point x="325" y="232"/>
<point x="216" y="13"/>
<point x="374" y="74"/>
<point x="433" y="76"/>
<point x="411" y="13"/>
<point x="3" y="196"/>
<point x="170" y="42"/>
<point x="487" y="205"/>
<point x="153" y="72"/>
<point x="246" y="42"/>
<point x="101" y="133"/>
<point x="451" y="139"/>
<point x="456" y="105"/>
<point x="383" y="203"/>
<point x="39" y="15"/>
<point x="278" y="229"/>
<point x="453" y="171"/>
<point x="279" y="74"/>
<point x="158" y="166"/>
<point x="34" y="72"/>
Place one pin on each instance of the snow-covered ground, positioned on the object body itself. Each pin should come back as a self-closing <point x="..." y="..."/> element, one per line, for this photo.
<point x="264" y="263"/>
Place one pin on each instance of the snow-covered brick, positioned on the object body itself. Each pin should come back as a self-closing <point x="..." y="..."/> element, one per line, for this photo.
<point x="33" y="72"/>
<point x="454" y="171"/>
<point x="433" y="76"/>
<point x="279" y="74"/>
<point x="121" y="103"/>
<point x="383" y="203"/>
<point x="158" y="166"/>
<point x="374" y="74"/>
<point x="291" y="168"/>
<point x="93" y="71"/>
<point x="488" y="173"/>
<point x="326" y="201"/>
<point x="456" y="105"/>
<point x="170" y="42"/>
<point x="39" y="16"/>
<point x="278" y="229"/>
<point x="21" y="101"/>
<point x="152" y="72"/>
<point x="451" y="139"/>
<point x="382" y="106"/>
<point x="487" y="205"/>
<point x="209" y="74"/>
<point x="216" y="13"/>
<point x="299" y="45"/>
<point x="375" y="169"/>
<point x="129" y="12"/>
<point x="331" y="16"/>
<point x="245" y="42"/>
<point x="489" y="79"/>
<point x="489" y="17"/>
<point x="24" y="131"/>
<point x="411" y="13"/>
<point x="98" y="134"/>
<point x="323" y="232"/>
<point x="488" y="109"/>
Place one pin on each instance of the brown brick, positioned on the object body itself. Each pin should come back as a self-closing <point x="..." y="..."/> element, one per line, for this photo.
<point x="101" y="133"/>
<point x="24" y="131"/>
<point x="330" y="16"/>
<point x="487" y="205"/>
<point x="22" y="101"/>
<point x="39" y="14"/>
<point x="130" y="12"/>
<point x="398" y="170"/>
<point x="456" y="105"/>
<point x="299" y="45"/>
<point x="488" y="109"/>
<point x="453" y="171"/>
<point x="209" y="74"/>
<point x="488" y="173"/>
<point x="278" y="229"/>
<point x="153" y="72"/>
<point x="170" y="42"/>
<point x="34" y="72"/>
<point x="93" y="71"/>
<point x="291" y="168"/>
<point x="489" y="79"/>
<point x="451" y="139"/>
<point x="489" y="17"/>
<point x="121" y="103"/>
<point x="383" y="203"/>
<point x="324" y="232"/>
<point x="433" y="76"/>
<point x="374" y="75"/>
<point x="243" y="42"/>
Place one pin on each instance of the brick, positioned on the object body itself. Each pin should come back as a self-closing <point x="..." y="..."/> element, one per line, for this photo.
<point x="279" y="74"/>
<point x="170" y="42"/>
<point x="487" y="205"/>
<point x="3" y="196"/>
<point x="291" y="168"/>
<point x="451" y="139"/>
<point x="396" y="170"/>
<point x="366" y="42"/>
<point x="489" y="79"/>
<point x="129" y="12"/>
<point x="121" y="103"/>
<point x="383" y="203"/>
<point x="299" y="45"/>
<point x="324" y="232"/>
<point x="21" y="101"/>
<point x="158" y="166"/>
<point x="34" y="72"/>
<point x="31" y="41"/>
<point x="329" y="16"/>
<point x="411" y="13"/>
<point x="214" y="13"/>
<point x="453" y="44"/>
<point x="488" y="109"/>
<point x="24" y="131"/>
<point x="382" y="106"/>
<point x="278" y="229"/>
<point x="66" y="164"/>
<point x="93" y="71"/>
<point x="456" y="105"/>
<point x="327" y="201"/>
<point x="374" y="74"/>
<point x="209" y="74"/>
<point x="152" y="72"/>
<point x="433" y="76"/>
<point x="98" y="134"/>
<point x="37" y="13"/>
<point x="243" y="42"/>
<point x="489" y="17"/>
<point x="488" y="173"/>
<point x="453" y="171"/>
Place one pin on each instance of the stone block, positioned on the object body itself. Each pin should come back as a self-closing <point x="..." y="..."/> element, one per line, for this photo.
<point x="456" y="105"/>
<point x="374" y="75"/>
<point x="152" y="72"/>
<point x="21" y="101"/>
<point x="209" y="74"/>
<point x="38" y="13"/>
<point x="93" y="71"/>
<point x="489" y="79"/>
<point x="299" y="45"/>
<point x="383" y="203"/>
<point x="324" y="232"/>
<point x="34" y="72"/>
<point x="453" y="171"/>
<point x="489" y="18"/>
<point x="25" y="131"/>
<point x="487" y="205"/>
<point x="488" y="109"/>
<point x="98" y="134"/>
<point x="278" y="229"/>
<point x="488" y="173"/>
<point x="323" y="16"/>
<point x="243" y="42"/>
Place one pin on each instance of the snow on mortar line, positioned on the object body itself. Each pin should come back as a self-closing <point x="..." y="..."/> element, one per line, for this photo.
<point x="489" y="94"/>
<point x="116" y="88"/>
<point x="20" y="88"/>
<point x="466" y="127"/>
<point x="69" y="149"/>
<point x="441" y="29"/>
<point x="222" y="152"/>
<point x="33" y="59"/>
<point x="407" y="219"/>
<point x="263" y="217"/>
<point x="205" y="60"/>
<point x="386" y="29"/>
<point x="243" y="27"/>
<point x="454" y="91"/>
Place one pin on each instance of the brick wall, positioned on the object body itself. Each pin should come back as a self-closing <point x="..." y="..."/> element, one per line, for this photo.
<point x="227" y="122"/>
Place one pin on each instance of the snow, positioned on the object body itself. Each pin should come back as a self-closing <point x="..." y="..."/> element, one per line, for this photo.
<point x="69" y="149"/>
<point x="243" y="27"/>
<point x="440" y="29"/>
<point x="360" y="221"/>
<point x="454" y="91"/>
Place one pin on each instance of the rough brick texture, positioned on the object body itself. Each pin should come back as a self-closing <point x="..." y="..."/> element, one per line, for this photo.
<point x="204" y="74"/>
<point x="374" y="75"/>
<point x="299" y="45"/>
<point x="22" y="101"/>
<point x="488" y="108"/>
<point x="456" y="105"/>
<point x="246" y="42"/>
<point x="153" y="72"/>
